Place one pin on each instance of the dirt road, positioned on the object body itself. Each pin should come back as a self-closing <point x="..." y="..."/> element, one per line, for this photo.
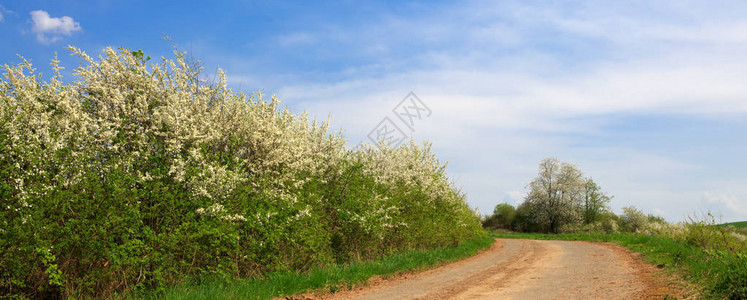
<point x="528" y="269"/>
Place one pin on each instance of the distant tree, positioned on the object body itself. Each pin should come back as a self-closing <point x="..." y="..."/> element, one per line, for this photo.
<point x="525" y="218"/>
<point x="595" y="202"/>
<point x="608" y="222"/>
<point x="651" y="218"/>
<point x="556" y="194"/>
<point x="505" y="214"/>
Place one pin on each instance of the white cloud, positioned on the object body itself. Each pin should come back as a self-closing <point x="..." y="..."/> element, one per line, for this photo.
<point x="295" y="39"/>
<point x="514" y="197"/>
<point x="48" y="29"/>
<point x="511" y="84"/>
<point x="485" y="119"/>
<point x="2" y="11"/>
<point x="518" y="100"/>
<point x="726" y="204"/>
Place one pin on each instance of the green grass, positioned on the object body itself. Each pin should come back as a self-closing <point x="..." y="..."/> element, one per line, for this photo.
<point x="719" y="274"/>
<point x="742" y="224"/>
<point x="329" y="279"/>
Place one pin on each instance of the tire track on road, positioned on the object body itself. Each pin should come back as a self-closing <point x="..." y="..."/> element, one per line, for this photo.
<point x="526" y="269"/>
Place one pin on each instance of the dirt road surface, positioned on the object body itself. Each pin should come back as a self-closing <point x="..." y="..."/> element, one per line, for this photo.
<point x="528" y="269"/>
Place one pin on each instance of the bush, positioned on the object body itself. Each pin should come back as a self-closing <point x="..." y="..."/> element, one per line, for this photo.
<point x="705" y="233"/>
<point x="138" y="176"/>
<point x="716" y="254"/>
<point x="609" y="223"/>
<point x="731" y="283"/>
<point x="605" y="226"/>
<point x="503" y="216"/>
<point x="525" y="220"/>
<point x="632" y="219"/>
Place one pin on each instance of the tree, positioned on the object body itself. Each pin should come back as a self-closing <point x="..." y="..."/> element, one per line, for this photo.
<point x="556" y="194"/>
<point x="525" y="220"/>
<point x="505" y="214"/>
<point x="595" y="202"/>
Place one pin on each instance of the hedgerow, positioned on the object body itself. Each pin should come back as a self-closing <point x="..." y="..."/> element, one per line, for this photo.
<point x="140" y="175"/>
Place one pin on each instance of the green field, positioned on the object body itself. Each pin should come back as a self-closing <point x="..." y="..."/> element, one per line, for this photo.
<point x="742" y="224"/>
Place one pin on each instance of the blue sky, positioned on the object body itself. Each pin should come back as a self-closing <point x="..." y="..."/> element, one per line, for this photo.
<point x="647" y="97"/>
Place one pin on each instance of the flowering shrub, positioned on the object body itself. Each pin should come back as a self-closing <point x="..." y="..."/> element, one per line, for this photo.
<point x="633" y="219"/>
<point x="140" y="175"/>
<point x="721" y="262"/>
<point x="701" y="232"/>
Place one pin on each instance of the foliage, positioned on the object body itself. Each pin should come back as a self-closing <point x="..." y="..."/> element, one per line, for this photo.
<point x="731" y="282"/>
<point x="632" y="219"/>
<point x="503" y="217"/>
<point x="330" y="278"/>
<point x="724" y="256"/>
<point x="596" y="203"/>
<point x="524" y="220"/>
<point x="703" y="233"/>
<point x="651" y="218"/>
<point x="609" y="223"/>
<point x="141" y="175"/>
<point x="560" y="197"/>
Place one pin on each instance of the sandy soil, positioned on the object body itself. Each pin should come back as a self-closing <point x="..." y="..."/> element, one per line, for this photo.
<point x="527" y="269"/>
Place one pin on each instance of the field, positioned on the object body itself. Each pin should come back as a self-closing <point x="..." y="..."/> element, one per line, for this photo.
<point x="742" y="224"/>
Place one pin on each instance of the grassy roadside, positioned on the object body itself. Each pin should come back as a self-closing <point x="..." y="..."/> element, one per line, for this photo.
<point x="719" y="274"/>
<point x="331" y="278"/>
